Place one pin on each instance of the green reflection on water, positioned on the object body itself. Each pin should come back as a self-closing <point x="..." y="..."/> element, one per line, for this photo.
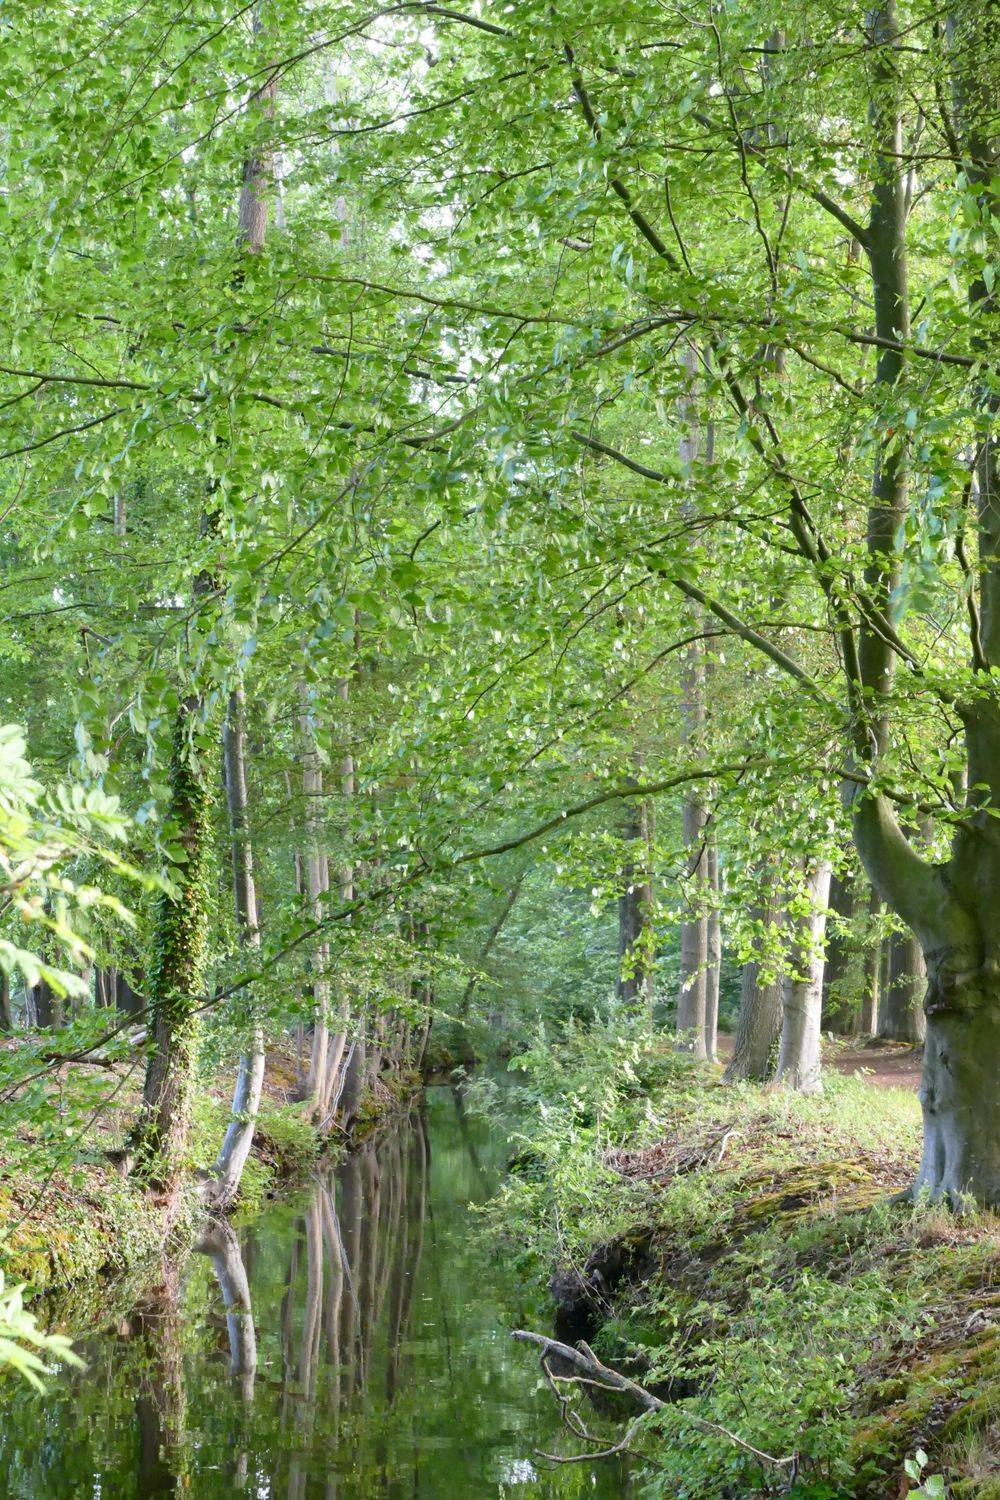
<point x="373" y="1360"/>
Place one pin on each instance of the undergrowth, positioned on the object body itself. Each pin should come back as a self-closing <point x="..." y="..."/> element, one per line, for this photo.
<point x="774" y="1291"/>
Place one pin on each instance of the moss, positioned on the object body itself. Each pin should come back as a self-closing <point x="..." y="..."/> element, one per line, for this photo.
<point x="802" y="1192"/>
<point x="939" y="1398"/>
<point x="73" y="1234"/>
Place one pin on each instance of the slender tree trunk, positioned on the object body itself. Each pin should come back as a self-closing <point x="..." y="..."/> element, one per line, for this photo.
<point x="488" y="943"/>
<point x="692" y="1001"/>
<point x="239" y="1135"/>
<point x="337" y="1041"/>
<point x="802" y="990"/>
<point x="871" y="966"/>
<point x="317" y="880"/>
<point x="713" y="955"/>
<point x="635" y="969"/>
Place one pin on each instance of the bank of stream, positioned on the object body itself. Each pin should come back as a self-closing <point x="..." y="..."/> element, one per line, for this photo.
<point x="351" y="1341"/>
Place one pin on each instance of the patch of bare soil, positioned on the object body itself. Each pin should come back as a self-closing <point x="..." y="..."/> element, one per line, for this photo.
<point x="882" y="1064"/>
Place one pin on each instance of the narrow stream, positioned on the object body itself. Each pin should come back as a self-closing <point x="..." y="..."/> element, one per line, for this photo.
<point x="375" y="1360"/>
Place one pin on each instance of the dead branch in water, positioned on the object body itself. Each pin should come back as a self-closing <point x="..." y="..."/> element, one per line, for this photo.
<point x="593" y="1372"/>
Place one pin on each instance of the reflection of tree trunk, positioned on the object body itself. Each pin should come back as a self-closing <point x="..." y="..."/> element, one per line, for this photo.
<point x="160" y="1404"/>
<point x="221" y="1244"/>
<point x="335" y="1296"/>
<point x="350" y="1219"/>
<point x="366" y="1280"/>
<point x="312" y="1318"/>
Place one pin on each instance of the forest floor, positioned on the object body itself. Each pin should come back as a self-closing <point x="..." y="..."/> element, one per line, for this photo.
<point x="882" y="1064"/>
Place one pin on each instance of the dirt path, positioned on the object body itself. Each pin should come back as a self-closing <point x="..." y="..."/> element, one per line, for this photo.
<point x="882" y="1064"/>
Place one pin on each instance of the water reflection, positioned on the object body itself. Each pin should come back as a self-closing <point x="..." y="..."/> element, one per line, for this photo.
<point x="351" y="1344"/>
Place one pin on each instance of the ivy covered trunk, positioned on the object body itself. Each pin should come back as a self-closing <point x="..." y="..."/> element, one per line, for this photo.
<point x="176" y="981"/>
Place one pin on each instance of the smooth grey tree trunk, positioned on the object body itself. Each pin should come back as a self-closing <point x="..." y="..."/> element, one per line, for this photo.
<point x="759" y="1024"/>
<point x="802" y="988"/>
<point x="901" y="1010"/>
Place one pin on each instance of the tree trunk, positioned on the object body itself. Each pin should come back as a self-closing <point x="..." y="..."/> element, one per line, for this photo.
<point x="337" y="1041"/>
<point x="6" y="1014"/>
<point x="125" y="998"/>
<point x="487" y="948"/>
<point x="802" y="990"/>
<point x="871" y="966"/>
<point x="692" y="999"/>
<point x="635" y="970"/>
<point x="759" y="1024"/>
<point x="901" y="1011"/>
<point x="840" y="996"/>
<point x="317" y="881"/>
<point x="239" y="1135"/>
<point x="177" y="974"/>
<point x="713" y="955"/>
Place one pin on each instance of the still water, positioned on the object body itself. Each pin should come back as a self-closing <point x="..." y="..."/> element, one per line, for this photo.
<point x="350" y="1342"/>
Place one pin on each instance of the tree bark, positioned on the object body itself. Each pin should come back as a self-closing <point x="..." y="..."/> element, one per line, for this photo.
<point x="759" y="1024"/>
<point x="901" y="1011"/>
<point x="802" y="989"/>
